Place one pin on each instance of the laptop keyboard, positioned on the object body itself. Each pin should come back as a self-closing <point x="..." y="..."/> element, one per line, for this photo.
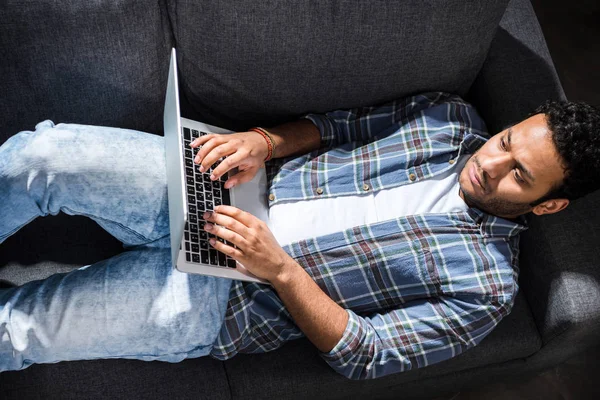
<point x="202" y="195"/>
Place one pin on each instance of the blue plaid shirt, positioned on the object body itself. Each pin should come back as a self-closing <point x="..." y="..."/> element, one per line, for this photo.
<point x="418" y="289"/>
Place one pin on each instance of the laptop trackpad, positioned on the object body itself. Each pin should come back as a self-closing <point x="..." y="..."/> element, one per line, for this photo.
<point x="252" y="196"/>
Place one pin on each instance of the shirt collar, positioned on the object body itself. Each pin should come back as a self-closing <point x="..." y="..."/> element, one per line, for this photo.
<point x="471" y="143"/>
<point x="492" y="226"/>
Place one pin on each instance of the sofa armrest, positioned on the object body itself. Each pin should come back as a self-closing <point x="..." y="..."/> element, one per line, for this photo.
<point x="518" y="73"/>
<point x="560" y="277"/>
<point x="560" y="256"/>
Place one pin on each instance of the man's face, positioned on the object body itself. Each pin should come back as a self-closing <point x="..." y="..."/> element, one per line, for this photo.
<point x="513" y="169"/>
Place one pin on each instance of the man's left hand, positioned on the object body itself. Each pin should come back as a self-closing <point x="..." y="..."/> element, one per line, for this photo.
<point x="255" y="246"/>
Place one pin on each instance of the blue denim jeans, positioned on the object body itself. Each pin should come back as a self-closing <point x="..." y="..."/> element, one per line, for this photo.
<point x="134" y="305"/>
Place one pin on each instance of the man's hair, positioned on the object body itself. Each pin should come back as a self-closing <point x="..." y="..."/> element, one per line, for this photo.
<point x="575" y="131"/>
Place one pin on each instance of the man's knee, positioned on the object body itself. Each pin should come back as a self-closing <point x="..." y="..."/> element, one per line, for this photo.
<point x="31" y="149"/>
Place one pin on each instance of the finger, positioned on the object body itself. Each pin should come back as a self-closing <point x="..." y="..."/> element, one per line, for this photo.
<point x="199" y="141"/>
<point x="220" y="151"/>
<point x="227" y="222"/>
<point x="241" y="177"/>
<point x="227" y="164"/>
<point x="232" y="252"/>
<point x="207" y="148"/>
<point x="244" y="217"/>
<point x="225" y="234"/>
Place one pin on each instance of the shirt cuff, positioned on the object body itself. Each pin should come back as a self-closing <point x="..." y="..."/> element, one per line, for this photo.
<point x="326" y="129"/>
<point x="351" y="341"/>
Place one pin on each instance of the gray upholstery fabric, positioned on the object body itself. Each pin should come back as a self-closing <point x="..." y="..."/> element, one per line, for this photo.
<point x="260" y="63"/>
<point x="518" y="74"/>
<point x="94" y="62"/>
<point x="561" y="278"/>
<point x="426" y="388"/>
<point x="515" y="337"/>
<point x="442" y="387"/>
<point x="54" y="245"/>
<point x="201" y="378"/>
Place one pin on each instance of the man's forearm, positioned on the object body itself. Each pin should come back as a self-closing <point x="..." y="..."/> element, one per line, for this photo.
<point x="320" y="318"/>
<point x="294" y="138"/>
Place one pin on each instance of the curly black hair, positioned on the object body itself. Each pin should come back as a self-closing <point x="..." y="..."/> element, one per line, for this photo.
<point x="575" y="128"/>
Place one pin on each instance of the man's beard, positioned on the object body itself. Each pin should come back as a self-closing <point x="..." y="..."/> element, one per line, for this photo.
<point x="495" y="206"/>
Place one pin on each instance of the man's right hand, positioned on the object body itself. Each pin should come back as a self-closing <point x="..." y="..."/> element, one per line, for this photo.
<point x="245" y="150"/>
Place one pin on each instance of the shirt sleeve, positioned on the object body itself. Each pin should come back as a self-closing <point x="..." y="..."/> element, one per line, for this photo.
<point x="421" y="333"/>
<point x="355" y="125"/>
<point x="363" y="124"/>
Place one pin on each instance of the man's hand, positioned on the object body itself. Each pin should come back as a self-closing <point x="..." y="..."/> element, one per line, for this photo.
<point x="256" y="248"/>
<point x="247" y="150"/>
<point x="319" y="317"/>
<point x="244" y="150"/>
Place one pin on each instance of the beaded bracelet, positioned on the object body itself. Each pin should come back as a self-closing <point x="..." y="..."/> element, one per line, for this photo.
<point x="268" y="139"/>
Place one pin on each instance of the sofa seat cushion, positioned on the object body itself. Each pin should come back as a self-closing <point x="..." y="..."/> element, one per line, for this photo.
<point x="200" y="378"/>
<point x="297" y="371"/>
<point x="54" y="244"/>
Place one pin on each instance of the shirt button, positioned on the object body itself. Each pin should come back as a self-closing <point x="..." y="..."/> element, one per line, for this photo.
<point x="451" y="161"/>
<point x="319" y="190"/>
<point x="366" y="187"/>
<point x="412" y="177"/>
<point x="271" y="197"/>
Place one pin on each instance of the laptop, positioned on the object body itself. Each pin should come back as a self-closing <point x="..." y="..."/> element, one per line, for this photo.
<point x="191" y="193"/>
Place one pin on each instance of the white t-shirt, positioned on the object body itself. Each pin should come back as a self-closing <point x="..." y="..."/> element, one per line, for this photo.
<point x="298" y="220"/>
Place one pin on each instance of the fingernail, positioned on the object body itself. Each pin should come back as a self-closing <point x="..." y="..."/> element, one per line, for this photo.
<point x="212" y="177"/>
<point x="207" y="214"/>
<point x="208" y="227"/>
<point x="212" y="241"/>
<point x="201" y="168"/>
<point x="197" y="159"/>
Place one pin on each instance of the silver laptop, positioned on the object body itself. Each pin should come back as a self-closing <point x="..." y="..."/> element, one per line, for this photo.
<point x="191" y="193"/>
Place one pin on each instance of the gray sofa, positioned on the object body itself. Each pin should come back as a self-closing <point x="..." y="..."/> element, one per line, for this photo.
<point x="263" y="62"/>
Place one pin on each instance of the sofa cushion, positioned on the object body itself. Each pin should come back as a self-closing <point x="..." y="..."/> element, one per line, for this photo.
<point x="54" y="244"/>
<point x="258" y="62"/>
<point x="200" y="378"/>
<point x="92" y="62"/>
<point x="518" y="74"/>
<point x="301" y="374"/>
<point x="560" y="261"/>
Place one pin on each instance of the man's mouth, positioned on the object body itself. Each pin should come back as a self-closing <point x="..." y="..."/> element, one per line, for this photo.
<point x="475" y="180"/>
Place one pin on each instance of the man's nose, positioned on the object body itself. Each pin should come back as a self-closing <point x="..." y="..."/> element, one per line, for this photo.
<point x="496" y="166"/>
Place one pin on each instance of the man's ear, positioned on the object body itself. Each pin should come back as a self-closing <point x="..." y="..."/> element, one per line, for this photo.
<point x="550" y="206"/>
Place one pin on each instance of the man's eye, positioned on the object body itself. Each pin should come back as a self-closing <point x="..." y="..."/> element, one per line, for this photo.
<point x="518" y="178"/>
<point x="502" y="144"/>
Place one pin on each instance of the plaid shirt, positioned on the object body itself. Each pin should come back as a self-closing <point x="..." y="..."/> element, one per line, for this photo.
<point x="418" y="289"/>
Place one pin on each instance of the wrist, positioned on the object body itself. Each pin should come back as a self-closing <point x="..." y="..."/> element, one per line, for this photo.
<point x="268" y="140"/>
<point x="261" y="148"/>
<point x="287" y="275"/>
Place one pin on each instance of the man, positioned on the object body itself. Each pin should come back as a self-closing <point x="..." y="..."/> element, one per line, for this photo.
<point x="393" y="241"/>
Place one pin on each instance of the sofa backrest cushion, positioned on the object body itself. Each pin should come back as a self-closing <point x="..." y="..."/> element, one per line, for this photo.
<point x="95" y="62"/>
<point x="266" y="61"/>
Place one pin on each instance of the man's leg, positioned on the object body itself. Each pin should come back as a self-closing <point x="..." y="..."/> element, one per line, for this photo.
<point x="114" y="176"/>
<point x="134" y="305"/>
